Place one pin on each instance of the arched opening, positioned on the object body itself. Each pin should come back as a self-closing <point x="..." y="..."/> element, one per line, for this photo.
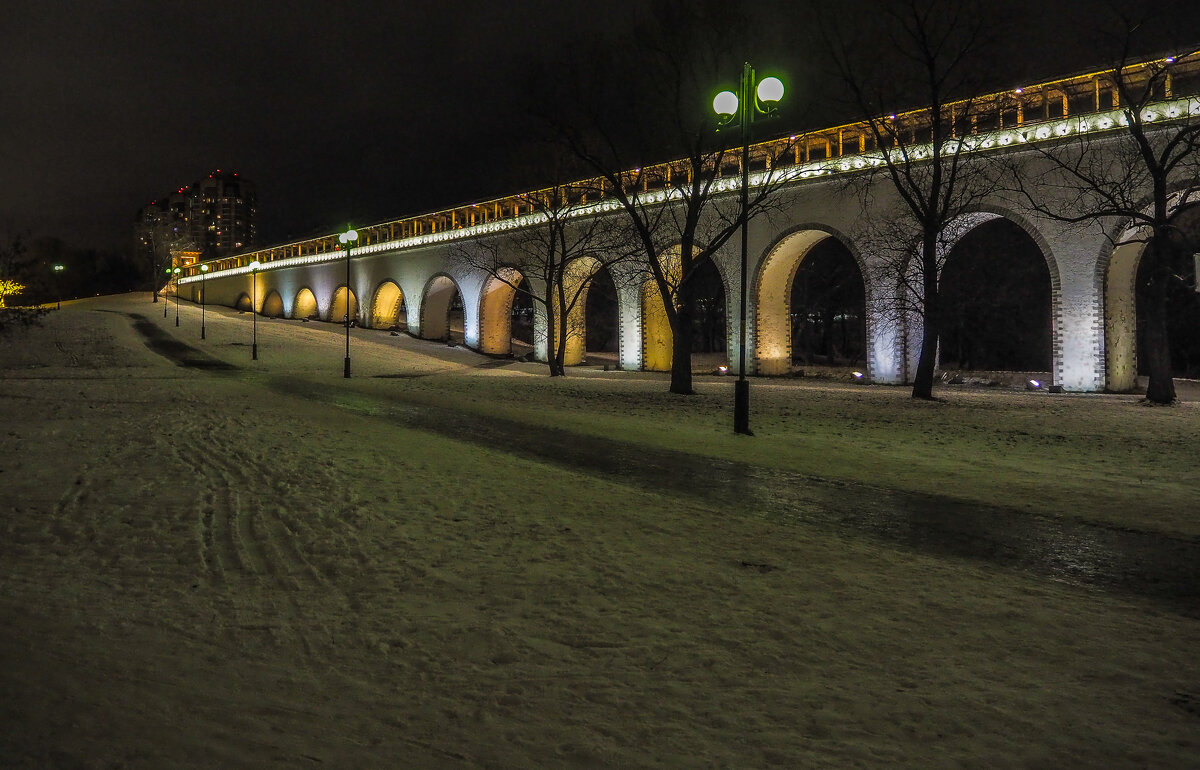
<point x="601" y="319"/>
<point x="995" y="295"/>
<point x="811" y="304"/>
<point x="338" y="308"/>
<point x="388" y="311"/>
<point x="442" y="310"/>
<point x="828" y="308"/>
<point x="1183" y="305"/>
<point x="522" y="317"/>
<point x="496" y="304"/>
<point x="306" y="305"/>
<point x="243" y="303"/>
<point x="710" y="333"/>
<point x="272" y="306"/>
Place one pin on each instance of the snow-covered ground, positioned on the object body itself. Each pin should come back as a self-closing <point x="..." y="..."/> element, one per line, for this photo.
<point x="199" y="568"/>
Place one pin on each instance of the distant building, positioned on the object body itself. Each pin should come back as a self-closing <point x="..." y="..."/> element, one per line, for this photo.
<point x="209" y="218"/>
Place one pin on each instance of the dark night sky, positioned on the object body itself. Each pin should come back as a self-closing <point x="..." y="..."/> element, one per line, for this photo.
<point x="338" y="111"/>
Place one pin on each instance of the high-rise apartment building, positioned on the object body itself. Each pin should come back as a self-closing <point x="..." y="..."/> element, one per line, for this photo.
<point x="209" y="218"/>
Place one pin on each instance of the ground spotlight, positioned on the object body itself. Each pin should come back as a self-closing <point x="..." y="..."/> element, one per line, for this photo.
<point x="1033" y="385"/>
<point x="857" y="375"/>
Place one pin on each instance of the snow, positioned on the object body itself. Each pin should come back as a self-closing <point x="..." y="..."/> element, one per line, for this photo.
<point x="199" y="570"/>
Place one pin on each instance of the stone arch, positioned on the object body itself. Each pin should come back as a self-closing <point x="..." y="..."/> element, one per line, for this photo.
<point x="305" y="305"/>
<point x="773" y="296"/>
<point x="1116" y="278"/>
<point x="495" y="311"/>
<point x="338" y="305"/>
<point x="602" y="315"/>
<point x="988" y="212"/>
<point x="272" y="305"/>
<point x="436" y="300"/>
<point x="388" y="308"/>
<point x="987" y="296"/>
<point x="243" y="302"/>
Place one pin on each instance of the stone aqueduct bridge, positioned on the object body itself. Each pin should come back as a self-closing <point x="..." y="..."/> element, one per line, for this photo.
<point x="410" y="264"/>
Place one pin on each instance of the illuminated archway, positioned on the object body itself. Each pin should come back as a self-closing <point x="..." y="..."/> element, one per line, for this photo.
<point x="657" y="352"/>
<point x="495" y="311"/>
<point x="272" y="305"/>
<point x="441" y="310"/>
<point x="243" y="303"/>
<point x="773" y="290"/>
<point x="305" y="306"/>
<point x="337" y="308"/>
<point x="388" y="310"/>
<point x="1123" y="310"/>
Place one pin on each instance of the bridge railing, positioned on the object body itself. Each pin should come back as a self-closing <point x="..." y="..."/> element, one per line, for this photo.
<point x="1040" y="103"/>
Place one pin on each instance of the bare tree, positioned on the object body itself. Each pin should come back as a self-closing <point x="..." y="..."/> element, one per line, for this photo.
<point x="934" y="53"/>
<point x="681" y="212"/>
<point x="1141" y="181"/>
<point x="552" y="259"/>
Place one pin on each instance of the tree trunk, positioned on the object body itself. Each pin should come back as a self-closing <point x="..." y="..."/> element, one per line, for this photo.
<point x="1161" y="388"/>
<point x="681" y="342"/>
<point x="927" y="363"/>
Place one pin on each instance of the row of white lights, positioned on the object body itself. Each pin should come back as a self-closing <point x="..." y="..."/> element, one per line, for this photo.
<point x="997" y="139"/>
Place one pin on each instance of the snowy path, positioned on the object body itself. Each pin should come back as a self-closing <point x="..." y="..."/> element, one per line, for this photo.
<point x="1147" y="564"/>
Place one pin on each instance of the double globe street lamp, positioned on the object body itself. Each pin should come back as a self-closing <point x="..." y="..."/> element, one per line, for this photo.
<point x="754" y="100"/>
<point x="58" y="270"/>
<point x="176" y="272"/>
<point x="348" y="239"/>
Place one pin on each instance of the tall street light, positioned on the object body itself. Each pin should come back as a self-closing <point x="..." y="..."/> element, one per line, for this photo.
<point x="203" y="298"/>
<point x="254" y="313"/>
<point x="176" y="271"/>
<point x="348" y="239"/>
<point x="165" y="303"/>
<point x="58" y="269"/>
<point x="752" y="101"/>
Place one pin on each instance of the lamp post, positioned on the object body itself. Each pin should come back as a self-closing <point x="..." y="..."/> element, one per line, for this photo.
<point x="348" y="239"/>
<point x="58" y="269"/>
<point x="753" y="100"/>
<point x="254" y="313"/>
<point x="165" y="303"/>
<point x="176" y="271"/>
<point x="203" y="298"/>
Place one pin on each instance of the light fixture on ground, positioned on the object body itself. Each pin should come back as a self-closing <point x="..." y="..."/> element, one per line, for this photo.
<point x="348" y="239"/>
<point x="58" y="269"/>
<point x="203" y="299"/>
<point x="754" y="100"/>
<point x="253" y="313"/>
<point x="176" y="272"/>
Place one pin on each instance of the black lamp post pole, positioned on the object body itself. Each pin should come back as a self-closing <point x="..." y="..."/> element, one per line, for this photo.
<point x="741" y="389"/>
<point x="254" y="314"/>
<point x="203" y="298"/>
<point x="346" y="369"/>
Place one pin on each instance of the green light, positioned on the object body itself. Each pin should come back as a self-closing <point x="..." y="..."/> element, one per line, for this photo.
<point x="770" y="90"/>
<point x="726" y="103"/>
